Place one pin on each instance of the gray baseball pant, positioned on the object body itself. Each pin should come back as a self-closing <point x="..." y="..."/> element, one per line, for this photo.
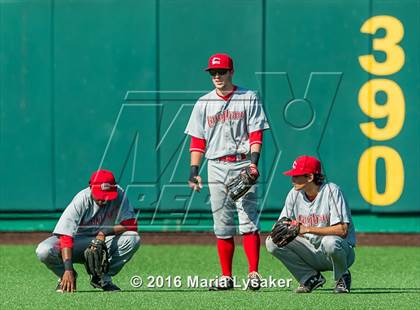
<point x="303" y="260"/>
<point x="120" y="248"/>
<point x="223" y="207"/>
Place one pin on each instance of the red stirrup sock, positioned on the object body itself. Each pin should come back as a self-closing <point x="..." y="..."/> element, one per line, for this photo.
<point x="225" y="249"/>
<point x="251" y="243"/>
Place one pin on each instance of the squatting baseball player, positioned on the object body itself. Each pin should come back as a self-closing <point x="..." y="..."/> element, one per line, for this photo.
<point x="326" y="238"/>
<point x="99" y="214"/>
<point x="227" y="126"/>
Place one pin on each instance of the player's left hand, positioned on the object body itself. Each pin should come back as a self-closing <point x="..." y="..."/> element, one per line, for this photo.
<point x="96" y="258"/>
<point x="196" y="184"/>
<point x="284" y="231"/>
<point x="100" y="236"/>
<point x="68" y="281"/>
<point x="253" y="171"/>
<point x="302" y="229"/>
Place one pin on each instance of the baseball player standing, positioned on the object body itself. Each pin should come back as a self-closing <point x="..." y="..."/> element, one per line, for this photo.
<point x="227" y="126"/>
<point x="100" y="211"/>
<point x="327" y="236"/>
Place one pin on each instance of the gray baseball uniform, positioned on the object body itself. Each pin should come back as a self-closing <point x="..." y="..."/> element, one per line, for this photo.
<point x="83" y="219"/>
<point x="226" y="125"/>
<point x="307" y="255"/>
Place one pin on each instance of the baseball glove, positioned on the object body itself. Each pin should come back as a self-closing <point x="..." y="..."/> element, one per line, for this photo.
<point x="284" y="231"/>
<point x="96" y="258"/>
<point x="240" y="185"/>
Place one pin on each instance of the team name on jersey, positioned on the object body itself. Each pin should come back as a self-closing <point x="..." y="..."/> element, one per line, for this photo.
<point x="224" y="116"/>
<point x="99" y="218"/>
<point x="313" y="219"/>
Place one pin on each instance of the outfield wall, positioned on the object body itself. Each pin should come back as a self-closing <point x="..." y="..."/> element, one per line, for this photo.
<point x="100" y="83"/>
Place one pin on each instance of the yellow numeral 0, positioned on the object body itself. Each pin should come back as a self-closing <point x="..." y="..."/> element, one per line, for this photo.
<point x="394" y="109"/>
<point x="395" y="56"/>
<point x="394" y="172"/>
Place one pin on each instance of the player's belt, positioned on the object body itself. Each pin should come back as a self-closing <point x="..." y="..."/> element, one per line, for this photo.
<point x="233" y="158"/>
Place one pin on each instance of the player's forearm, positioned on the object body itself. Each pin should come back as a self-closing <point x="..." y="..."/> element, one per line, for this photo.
<point x="255" y="142"/>
<point x="255" y="154"/>
<point x="109" y="231"/>
<point x="66" y="254"/>
<point x="119" y="229"/>
<point x="194" y="181"/>
<point x="66" y="246"/>
<point x="337" y="230"/>
<point x="196" y="158"/>
<point x="256" y="148"/>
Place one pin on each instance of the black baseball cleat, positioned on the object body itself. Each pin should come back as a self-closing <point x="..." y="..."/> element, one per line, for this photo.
<point x="254" y="281"/>
<point x="95" y="282"/>
<point x="108" y="287"/>
<point x="58" y="288"/>
<point x="223" y="283"/>
<point x="343" y="284"/>
<point x="311" y="284"/>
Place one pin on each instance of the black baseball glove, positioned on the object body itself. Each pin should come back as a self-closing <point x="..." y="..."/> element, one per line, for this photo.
<point x="284" y="231"/>
<point x="240" y="185"/>
<point x="96" y="259"/>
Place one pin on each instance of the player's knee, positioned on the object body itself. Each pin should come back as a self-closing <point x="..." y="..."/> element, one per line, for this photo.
<point x="135" y="239"/>
<point x="224" y="236"/>
<point x="331" y="244"/>
<point x="43" y="252"/>
<point x="131" y="240"/>
<point x="224" y="233"/>
<point x="270" y="245"/>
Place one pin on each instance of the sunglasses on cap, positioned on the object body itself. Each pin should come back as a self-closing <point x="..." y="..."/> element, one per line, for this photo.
<point x="220" y="72"/>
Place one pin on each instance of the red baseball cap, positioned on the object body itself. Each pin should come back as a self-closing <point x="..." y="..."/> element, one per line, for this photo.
<point x="220" y="61"/>
<point x="103" y="186"/>
<point x="304" y="165"/>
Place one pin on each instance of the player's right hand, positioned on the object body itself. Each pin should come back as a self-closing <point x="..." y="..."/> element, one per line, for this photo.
<point x="68" y="281"/>
<point x="195" y="183"/>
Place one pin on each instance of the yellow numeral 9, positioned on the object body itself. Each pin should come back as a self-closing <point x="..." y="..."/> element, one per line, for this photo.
<point x="394" y="171"/>
<point x="395" y="56"/>
<point x="394" y="108"/>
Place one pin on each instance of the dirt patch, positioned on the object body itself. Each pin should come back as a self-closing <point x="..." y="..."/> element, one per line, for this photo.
<point x="157" y="238"/>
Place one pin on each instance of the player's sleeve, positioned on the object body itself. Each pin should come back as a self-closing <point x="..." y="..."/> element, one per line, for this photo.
<point x="198" y="145"/>
<point x="256" y="137"/>
<point x="130" y="224"/>
<point x="66" y="242"/>
<point x="288" y="209"/>
<point x="70" y="219"/>
<point x="339" y="209"/>
<point x="196" y="123"/>
<point x="126" y="211"/>
<point x="256" y="119"/>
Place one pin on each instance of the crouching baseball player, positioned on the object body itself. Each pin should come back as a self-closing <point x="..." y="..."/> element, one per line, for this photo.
<point x="99" y="229"/>
<point x="227" y="125"/>
<point x="315" y="231"/>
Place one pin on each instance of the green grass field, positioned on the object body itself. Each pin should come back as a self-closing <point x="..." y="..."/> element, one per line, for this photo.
<point x="383" y="277"/>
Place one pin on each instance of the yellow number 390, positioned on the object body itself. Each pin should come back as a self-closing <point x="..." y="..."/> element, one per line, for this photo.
<point x="395" y="56"/>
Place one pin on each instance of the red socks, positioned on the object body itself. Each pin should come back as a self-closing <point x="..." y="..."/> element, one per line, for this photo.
<point x="251" y="243"/>
<point x="225" y="248"/>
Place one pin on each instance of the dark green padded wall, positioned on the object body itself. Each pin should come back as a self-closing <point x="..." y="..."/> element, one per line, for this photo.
<point x="86" y="84"/>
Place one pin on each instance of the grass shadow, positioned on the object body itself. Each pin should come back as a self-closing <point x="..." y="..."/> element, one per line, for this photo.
<point x="385" y="290"/>
<point x="379" y="290"/>
<point x="147" y="291"/>
<point x="355" y="291"/>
